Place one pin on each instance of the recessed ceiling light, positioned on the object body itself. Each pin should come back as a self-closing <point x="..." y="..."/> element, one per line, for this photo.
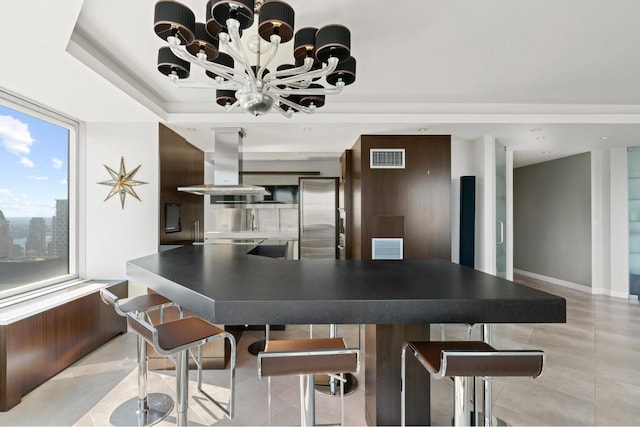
<point x="536" y="130"/>
<point x="422" y="129"/>
<point x="604" y="138"/>
<point x="192" y="129"/>
<point x="540" y="138"/>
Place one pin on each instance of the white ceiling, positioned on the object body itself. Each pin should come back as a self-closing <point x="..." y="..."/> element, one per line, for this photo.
<point x="468" y="68"/>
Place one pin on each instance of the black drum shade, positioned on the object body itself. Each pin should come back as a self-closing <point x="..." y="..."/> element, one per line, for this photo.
<point x="212" y="26"/>
<point x="174" y="19"/>
<point x="203" y="41"/>
<point x="304" y="43"/>
<point x="345" y="71"/>
<point x="168" y="63"/>
<point x="225" y="97"/>
<point x="276" y="17"/>
<point x="222" y="59"/>
<point x="333" y="40"/>
<point x="240" y="10"/>
<point x="308" y="100"/>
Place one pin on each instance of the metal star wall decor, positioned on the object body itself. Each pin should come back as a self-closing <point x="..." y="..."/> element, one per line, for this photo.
<point x="122" y="182"/>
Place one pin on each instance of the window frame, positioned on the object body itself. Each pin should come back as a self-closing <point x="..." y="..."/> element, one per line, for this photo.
<point x="34" y="109"/>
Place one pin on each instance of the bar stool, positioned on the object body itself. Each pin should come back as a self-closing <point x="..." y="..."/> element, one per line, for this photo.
<point x="465" y="360"/>
<point x="176" y="339"/>
<point x="306" y="358"/>
<point x="147" y="408"/>
<point x="328" y="384"/>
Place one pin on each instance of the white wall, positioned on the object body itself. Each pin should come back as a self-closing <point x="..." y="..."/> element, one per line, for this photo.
<point x="600" y="261"/>
<point x="484" y="152"/>
<point x="618" y="283"/>
<point x="114" y="235"/>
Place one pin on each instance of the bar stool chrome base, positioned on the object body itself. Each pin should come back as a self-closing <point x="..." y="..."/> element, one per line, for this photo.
<point x="127" y="414"/>
<point x="256" y="347"/>
<point x="323" y="385"/>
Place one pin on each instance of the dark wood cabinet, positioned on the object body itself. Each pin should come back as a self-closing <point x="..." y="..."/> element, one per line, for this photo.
<point x="36" y="348"/>
<point x="181" y="165"/>
<point x="412" y="203"/>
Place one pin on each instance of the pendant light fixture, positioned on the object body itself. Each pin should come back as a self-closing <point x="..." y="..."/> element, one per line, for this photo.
<point x="234" y="56"/>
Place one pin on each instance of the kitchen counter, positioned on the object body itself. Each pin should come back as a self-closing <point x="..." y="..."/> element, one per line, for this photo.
<point x="396" y="299"/>
<point x="224" y="284"/>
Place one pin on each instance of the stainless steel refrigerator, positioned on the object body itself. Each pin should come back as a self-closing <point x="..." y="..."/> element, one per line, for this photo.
<point x="318" y="207"/>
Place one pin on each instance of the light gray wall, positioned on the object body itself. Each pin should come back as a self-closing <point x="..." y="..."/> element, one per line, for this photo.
<point x="552" y="219"/>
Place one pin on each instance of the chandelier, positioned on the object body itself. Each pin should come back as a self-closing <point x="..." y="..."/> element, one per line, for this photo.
<point x="322" y="62"/>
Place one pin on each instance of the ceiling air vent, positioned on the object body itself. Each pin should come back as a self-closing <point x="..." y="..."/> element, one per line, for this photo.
<point x="387" y="158"/>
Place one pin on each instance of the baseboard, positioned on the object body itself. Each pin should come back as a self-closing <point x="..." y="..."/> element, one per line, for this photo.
<point x="553" y="280"/>
<point x="571" y="285"/>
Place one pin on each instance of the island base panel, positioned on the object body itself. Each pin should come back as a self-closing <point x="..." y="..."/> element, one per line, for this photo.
<point x="383" y="349"/>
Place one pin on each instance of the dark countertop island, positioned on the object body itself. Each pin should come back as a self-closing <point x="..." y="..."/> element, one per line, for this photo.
<point x="396" y="299"/>
<point x="224" y="284"/>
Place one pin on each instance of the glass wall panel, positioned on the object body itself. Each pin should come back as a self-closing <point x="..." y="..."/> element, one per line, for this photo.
<point x="634" y="219"/>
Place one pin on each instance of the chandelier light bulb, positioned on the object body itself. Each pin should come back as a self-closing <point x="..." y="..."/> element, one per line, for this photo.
<point x="237" y="59"/>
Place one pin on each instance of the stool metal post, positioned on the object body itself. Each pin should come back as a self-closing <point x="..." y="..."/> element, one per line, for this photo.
<point x="307" y="388"/>
<point x="182" y="387"/>
<point x="143" y="406"/>
<point x="462" y="408"/>
<point x="486" y="337"/>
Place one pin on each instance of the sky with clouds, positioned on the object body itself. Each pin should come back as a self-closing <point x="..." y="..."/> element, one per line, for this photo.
<point x="33" y="165"/>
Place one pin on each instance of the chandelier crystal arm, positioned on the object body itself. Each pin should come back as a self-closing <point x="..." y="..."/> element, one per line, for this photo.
<point x="309" y="91"/>
<point x="273" y="50"/>
<point x="305" y="67"/>
<point x="294" y="106"/>
<point x="223" y="71"/>
<point x="233" y="106"/>
<point x="288" y="113"/>
<point x="194" y="85"/>
<point x="236" y="45"/>
<point x="326" y="69"/>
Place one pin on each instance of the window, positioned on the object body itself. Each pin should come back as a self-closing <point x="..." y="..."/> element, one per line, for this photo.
<point x="37" y="197"/>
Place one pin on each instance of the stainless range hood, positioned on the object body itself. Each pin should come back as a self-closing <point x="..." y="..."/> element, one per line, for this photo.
<point x="226" y="161"/>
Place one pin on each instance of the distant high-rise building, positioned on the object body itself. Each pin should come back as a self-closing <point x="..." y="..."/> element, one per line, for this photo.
<point x="36" y="241"/>
<point x="60" y="225"/>
<point x="6" y="240"/>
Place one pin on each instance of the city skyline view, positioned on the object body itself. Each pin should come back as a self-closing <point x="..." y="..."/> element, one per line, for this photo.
<point x="34" y="199"/>
<point x="33" y="165"/>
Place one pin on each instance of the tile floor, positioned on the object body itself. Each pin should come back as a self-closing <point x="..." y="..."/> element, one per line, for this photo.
<point x="591" y="377"/>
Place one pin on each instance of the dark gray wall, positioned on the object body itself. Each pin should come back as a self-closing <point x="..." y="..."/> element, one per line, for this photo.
<point x="552" y="219"/>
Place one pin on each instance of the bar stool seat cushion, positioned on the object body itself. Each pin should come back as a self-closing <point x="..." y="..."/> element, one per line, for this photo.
<point x="181" y="332"/>
<point x="142" y="302"/>
<point x="307" y="357"/>
<point x="475" y="359"/>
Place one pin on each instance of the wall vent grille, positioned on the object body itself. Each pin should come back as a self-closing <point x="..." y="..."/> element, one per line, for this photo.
<point x="387" y="158"/>
<point x="386" y="248"/>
